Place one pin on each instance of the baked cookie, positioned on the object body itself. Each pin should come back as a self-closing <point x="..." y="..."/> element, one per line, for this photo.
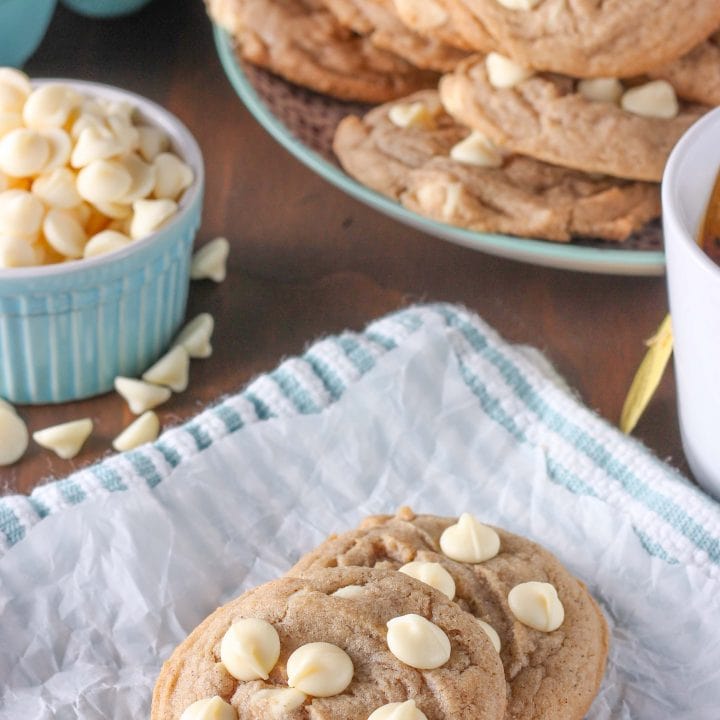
<point x="302" y="41"/>
<point x="377" y="20"/>
<point x="695" y="76"/>
<point x="551" y="675"/>
<point x="545" y="116"/>
<point x="465" y="680"/>
<point x="596" y="38"/>
<point x="521" y="196"/>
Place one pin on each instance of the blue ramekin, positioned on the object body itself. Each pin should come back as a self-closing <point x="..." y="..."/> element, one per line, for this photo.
<point x="105" y="8"/>
<point x="67" y="330"/>
<point x="23" y="24"/>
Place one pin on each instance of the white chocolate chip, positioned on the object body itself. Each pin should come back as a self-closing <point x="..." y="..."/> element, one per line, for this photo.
<point x="172" y="176"/>
<point x="17" y="252"/>
<point x="65" y="440"/>
<point x="17" y="79"/>
<point x="4" y="404"/>
<point x="320" y="669"/>
<point x="607" y="90"/>
<point x="407" y="710"/>
<point x="57" y="188"/>
<point x="537" y="605"/>
<point x="23" y="152"/>
<point x="141" y="396"/>
<point x="350" y="592"/>
<point x="210" y="261"/>
<point x="477" y="149"/>
<point x="125" y="132"/>
<point x="95" y="142"/>
<point x="104" y="242"/>
<point x="656" y="99"/>
<point x="103" y="181"/>
<point x="114" y="210"/>
<point x="86" y="120"/>
<point x="278" y="702"/>
<point x="519" y="4"/>
<point x="50" y="106"/>
<point x="150" y="215"/>
<point x="60" y="146"/>
<point x="9" y="121"/>
<point x="143" y="430"/>
<point x="151" y="142"/>
<point x="214" y="708"/>
<point x="13" y="437"/>
<point x="417" y="642"/>
<point x="413" y="115"/>
<point x="12" y="98"/>
<point x="505" y="73"/>
<point x="469" y="540"/>
<point x="117" y="107"/>
<point x="249" y="649"/>
<point x="195" y="336"/>
<point x="21" y="213"/>
<point x="491" y="633"/>
<point x="172" y="370"/>
<point x="64" y="233"/>
<point x="421" y="14"/>
<point x="433" y="574"/>
<point x="142" y="179"/>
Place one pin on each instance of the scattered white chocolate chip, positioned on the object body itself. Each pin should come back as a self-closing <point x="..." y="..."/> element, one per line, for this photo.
<point x="504" y="72"/>
<point x="210" y="261"/>
<point x="249" y="649"/>
<point x="17" y="252"/>
<point x="214" y="708"/>
<point x="172" y="370"/>
<point x="537" y="605"/>
<point x="104" y="242"/>
<point x="417" y="642"/>
<point x="143" y="430"/>
<point x="491" y="633"/>
<point x="21" y="213"/>
<point x="421" y="14"/>
<point x="57" y="188"/>
<point x="151" y="142"/>
<point x="103" y="181"/>
<point x="65" y="440"/>
<point x="278" y="701"/>
<point x="23" y="152"/>
<point x="195" y="336"/>
<point x="350" y="592"/>
<point x="319" y="669"/>
<point x="64" y="233"/>
<point x="407" y="710"/>
<point x="140" y="395"/>
<point x="13" y="436"/>
<point x="477" y="149"/>
<point x="607" y="90"/>
<point x="433" y="574"/>
<point x="469" y="540"/>
<point x="656" y="99"/>
<point x="519" y="4"/>
<point x="413" y="115"/>
<point x="50" y="106"/>
<point x="150" y="215"/>
<point x="172" y="176"/>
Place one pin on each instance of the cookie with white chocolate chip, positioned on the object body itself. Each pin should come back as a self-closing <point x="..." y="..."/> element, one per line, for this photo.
<point x="337" y="643"/>
<point x="627" y="133"/>
<point x="552" y="635"/>
<point x="412" y="151"/>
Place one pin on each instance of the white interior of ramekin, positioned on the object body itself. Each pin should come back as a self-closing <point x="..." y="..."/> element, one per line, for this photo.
<point x="183" y="144"/>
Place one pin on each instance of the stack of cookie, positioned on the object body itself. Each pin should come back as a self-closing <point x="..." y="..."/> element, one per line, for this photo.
<point x="548" y="119"/>
<point x="408" y="617"/>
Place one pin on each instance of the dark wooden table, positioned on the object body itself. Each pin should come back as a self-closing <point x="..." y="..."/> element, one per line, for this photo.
<point x="307" y="260"/>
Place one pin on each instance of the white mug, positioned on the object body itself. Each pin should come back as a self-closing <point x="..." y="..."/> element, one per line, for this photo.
<point x="694" y="288"/>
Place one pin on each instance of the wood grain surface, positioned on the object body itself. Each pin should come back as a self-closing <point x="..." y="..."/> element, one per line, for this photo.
<point x="307" y="260"/>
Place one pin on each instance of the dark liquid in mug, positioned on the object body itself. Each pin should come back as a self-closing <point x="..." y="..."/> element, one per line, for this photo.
<point x="710" y="235"/>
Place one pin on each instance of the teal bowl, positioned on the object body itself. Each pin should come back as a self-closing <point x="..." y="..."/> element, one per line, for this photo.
<point x="23" y="24"/>
<point x="105" y="8"/>
<point x="67" y="330"/>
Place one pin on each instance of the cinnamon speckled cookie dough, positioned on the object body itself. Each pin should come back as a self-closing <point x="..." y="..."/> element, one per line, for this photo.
<point x="520" y="196"/>
<point x="545" y="117"/>
<point x="304" y="43"/>
<point x="470" y="684"/>
<point x="551" y="675"/>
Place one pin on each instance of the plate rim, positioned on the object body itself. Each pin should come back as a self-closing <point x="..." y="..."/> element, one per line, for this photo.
<point x="537" y="252"/>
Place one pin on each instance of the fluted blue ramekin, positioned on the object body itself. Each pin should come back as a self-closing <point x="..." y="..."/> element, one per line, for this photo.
<point x="67" y="330"/>
<point x="105" y="8"/>
<point x="23" y="24"/>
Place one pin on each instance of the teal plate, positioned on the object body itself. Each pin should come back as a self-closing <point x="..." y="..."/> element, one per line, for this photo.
<point x="303" y="123"/>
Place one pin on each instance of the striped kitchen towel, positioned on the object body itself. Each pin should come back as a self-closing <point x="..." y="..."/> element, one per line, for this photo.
<point x="514" y="387"/>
